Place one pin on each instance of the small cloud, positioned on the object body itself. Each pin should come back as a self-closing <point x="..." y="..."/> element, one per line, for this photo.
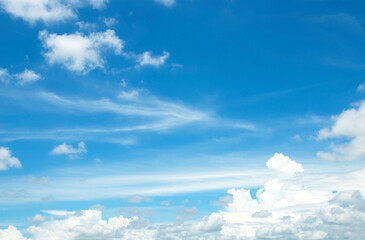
<point x="131" y="95"/>
<point x="166" y="203"/>
<point x="37" y="219"/>
<point x="64" y="149"/>
<point x="97" y="160"/>
<point x="33" y="179"/>
<point x="138" y="199"/>
<point x="7" y="161"/>
<point x="361" y="88"/>
<point x="186" y="201"/>
<point x="86" y="26"/>
<point x="223" y="201"/>
<point x="146" y="59"/>
<point x="186" y="214"/>
<point x="284" y="165"/>
<point x="79" y="52"/>
<point x="123" y="82"/>
<point x="4" y="75"/>
<point x="28" y="76"/>
<point x="135" y="211"/>
<point x="262" y="214"/>
<point x="109" y="22"/>
<point x="167" y="3"/>
<point x="98" y="207"/>
<point x="297" y="138"/>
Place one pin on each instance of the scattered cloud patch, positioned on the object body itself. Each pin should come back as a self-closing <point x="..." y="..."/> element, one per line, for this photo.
<point x="123" y="82"/>
<point x="350" y="124"/>
<point x="64" y="149"/>
<point x="86" y="26"/>
<point x="131" y="95"/>
<point x="167" y="3"/>
<point x="146" y="59"/>
<point x="297" y="138"/>
<point x="166" y="203"/>
<point x="138" y="199"/>
<point x="33" y="179"/>
<point x="361" y="88"/>
<point x="222" y="202"/>
<point x="109" y="22"/>
<point x="78" y="52"/>
<point x="23" y="78"/>
<point x="4" y="75"/>
<point x="28" y="76"/>
<point x="38" y="218"/>
<point x="7" y="161"/>
<point x="284" y="165"/>
<point x="48" y="11"/>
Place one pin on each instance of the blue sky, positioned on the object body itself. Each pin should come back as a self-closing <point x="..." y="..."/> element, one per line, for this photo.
<point x="157" y="108"/>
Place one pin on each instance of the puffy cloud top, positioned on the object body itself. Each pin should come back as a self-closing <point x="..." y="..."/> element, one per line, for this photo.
<point x="283" y="164"/>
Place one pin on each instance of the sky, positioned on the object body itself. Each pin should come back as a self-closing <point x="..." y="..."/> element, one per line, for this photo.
<point x="182" y="119"/>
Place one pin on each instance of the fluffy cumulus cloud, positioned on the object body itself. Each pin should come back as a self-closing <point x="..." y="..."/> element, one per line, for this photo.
<point x="78" y="52"/>
<point x="297" y="207"/>
<point x="11" y="233"/>
<point x="7" y="161"/>
<point x="146" y="59"/>
<point x="283" y="164"/>
<point x="86" y="224"/>
<point x="28" y="76"/>
<point x="47" y="11"/>
<point x="350" y="124"/>
<point x="64" y="149"/>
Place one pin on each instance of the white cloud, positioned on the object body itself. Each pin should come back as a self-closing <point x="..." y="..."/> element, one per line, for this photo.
<point x="4" y="75"/>
<point x="86" y="26"/>
<point x="167" y="3"/>
<point x="146" y="59"/>
<point x="350" y="124"/>
<point x="138" y="199"/>
<point x="166" y="203"/>
<point x="284" y="165"/>
<point x="11" y="233"/>
<point x="171" y="114"/>
<point x="33" y="179"/>
<point x="131" y="95"/>
<point x="7" y="161"/>
<point x="87" y="224"/>
<point x="28" y="76"/>
<point x="48" y="11"/>
<point x="37" y="219"/>
<point x="60" y="213"/>
<point x="361" y="88"/>
<point x="303" y="207"/>
<point x="64" y="149"/>
<point x="297" y="138"/>
<point x="78" y="52"/>
<point x="109" y="22"/>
